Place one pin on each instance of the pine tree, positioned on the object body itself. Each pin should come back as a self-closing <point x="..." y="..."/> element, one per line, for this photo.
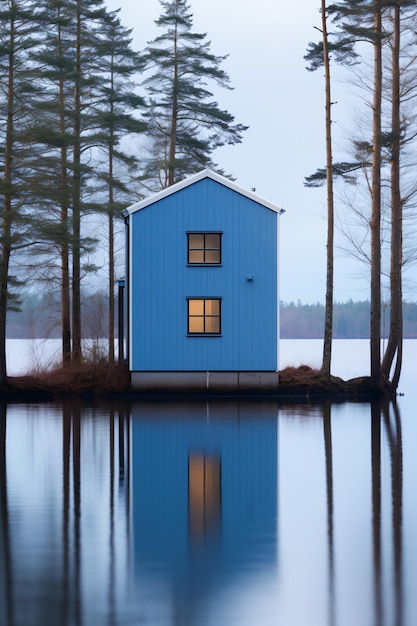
<point x="117" y="117"/>
<point x="379" y="22"/>
<point x="186" y="125"/>
<point x="18" y="36"/>
<point x="328" y="319"/>
<point x="52" y="131"/>
<point x="397" y="14"/>
<point x="65" y="129"/>
<point x="395" y="339"/>
<point x="362" y="20"/>
<point x="88" y="19"/>
<point x="319" y="55"/>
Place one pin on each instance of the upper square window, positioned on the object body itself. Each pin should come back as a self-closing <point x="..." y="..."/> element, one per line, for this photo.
<point x="204" y="249"/>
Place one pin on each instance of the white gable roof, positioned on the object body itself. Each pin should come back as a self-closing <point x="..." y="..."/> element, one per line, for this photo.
<point x="194" y="179"/>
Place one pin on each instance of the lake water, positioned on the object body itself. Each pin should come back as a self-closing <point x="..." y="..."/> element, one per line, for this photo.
<point x="219" y="513"/>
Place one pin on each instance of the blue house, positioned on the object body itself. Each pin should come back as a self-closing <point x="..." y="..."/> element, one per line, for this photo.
<point x="202" y="288"/>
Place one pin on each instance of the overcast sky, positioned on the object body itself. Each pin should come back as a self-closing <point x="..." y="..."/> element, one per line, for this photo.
<point x="283" y="104"/>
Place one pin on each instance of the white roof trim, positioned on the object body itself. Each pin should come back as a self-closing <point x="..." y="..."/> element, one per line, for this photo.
<point x="194" y="179"/>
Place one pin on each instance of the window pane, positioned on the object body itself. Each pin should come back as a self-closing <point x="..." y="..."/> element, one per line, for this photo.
<point x="212" y="307"/>
<point x="204" y="248"/>
<point x="196" y="256"/>
<point x="212" y="324"/>
<point x="196" y="325"/>
<point x="196" y="240"/>
<point x="212" y="256"/>
<point x="196" y="307"/>
<point x="213" y="241"/>
<point x="204" y="315"/>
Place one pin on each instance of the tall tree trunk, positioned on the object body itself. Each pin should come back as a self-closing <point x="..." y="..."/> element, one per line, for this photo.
<point x="174" y="120"/>
<point x="375" y="321"/>
<point x="111" y="288"/>
<point x="7" y="205"/>
<point x="4" y="271"/>
<point x="394" y="345"/>
<point x="328" y="324"/>
<point x="65" y="270"/>
<point x="65" y="289"/>
<point x="111" y="243"/>
<point x="111" y="217"/>
<point x="76" y="207"/>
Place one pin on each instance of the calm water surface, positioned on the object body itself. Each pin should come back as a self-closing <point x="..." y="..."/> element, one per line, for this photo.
<point x="212" y="513"/>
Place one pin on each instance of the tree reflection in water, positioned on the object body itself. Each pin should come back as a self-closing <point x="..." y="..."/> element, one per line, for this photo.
<point x="328" y="450"/>
<point x="6" y="569"/>
<point x="393" y="429"/>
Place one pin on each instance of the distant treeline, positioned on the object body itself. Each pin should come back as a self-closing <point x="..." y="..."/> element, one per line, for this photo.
<point x="40" y="317"/>
<point x="350" y="320"/>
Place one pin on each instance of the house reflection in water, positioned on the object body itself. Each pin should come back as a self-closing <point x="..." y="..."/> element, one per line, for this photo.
<point x="204" y="497"/>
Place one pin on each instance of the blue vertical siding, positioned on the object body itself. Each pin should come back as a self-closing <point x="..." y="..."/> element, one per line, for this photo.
<point x="161" y="282"/>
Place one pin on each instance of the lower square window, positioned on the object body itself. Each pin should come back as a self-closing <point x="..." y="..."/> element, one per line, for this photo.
<point x="204" y="316"/>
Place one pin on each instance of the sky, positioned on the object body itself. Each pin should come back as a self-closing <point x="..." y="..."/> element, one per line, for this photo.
<point x="283" y="105"/>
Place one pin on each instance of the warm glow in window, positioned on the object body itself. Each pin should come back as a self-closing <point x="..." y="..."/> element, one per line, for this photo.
<point x="204" y="248"/>
<point x="204" y="316"/>
<point x="204" y="493"/>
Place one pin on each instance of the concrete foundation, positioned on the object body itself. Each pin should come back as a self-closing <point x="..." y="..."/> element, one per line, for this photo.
<point x="204" y="382"/>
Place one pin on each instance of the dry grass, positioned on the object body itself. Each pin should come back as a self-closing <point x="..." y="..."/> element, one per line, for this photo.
<point x="299" y="376"/>
<point x="87" y="377"/>
<point x="305" y="379"/>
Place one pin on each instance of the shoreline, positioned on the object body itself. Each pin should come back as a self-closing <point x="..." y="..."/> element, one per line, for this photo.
<point x="104" y="382"/>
